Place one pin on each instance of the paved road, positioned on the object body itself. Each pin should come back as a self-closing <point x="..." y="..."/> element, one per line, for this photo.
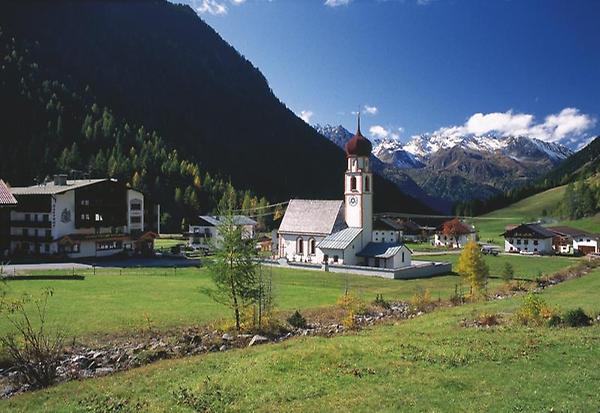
<point x="136" y="262"/>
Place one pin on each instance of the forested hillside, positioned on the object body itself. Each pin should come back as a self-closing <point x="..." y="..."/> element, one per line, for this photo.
<point x="151" y="91"/>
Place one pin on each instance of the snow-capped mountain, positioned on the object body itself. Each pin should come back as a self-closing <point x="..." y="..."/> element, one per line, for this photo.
<point x="516" y="147"/>
<point x="390" y="151"/>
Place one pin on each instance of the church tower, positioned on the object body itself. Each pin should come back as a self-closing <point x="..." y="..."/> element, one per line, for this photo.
<point x="358" y="185"/>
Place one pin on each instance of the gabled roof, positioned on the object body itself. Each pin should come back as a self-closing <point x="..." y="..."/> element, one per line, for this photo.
<point x="51" y="188"/>
<point x="304" y="216"/>
<point x="386" y="224"/>
<point x="6" y="197"/>
<point x="214" y="221"/>
<point x="380" y="250"/>
<point x="568" y="231"/>
<point x="339" y="240"/>
<point x="529" y="231"/>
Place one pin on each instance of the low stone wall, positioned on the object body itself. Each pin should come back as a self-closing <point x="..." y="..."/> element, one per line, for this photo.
<point x="419" y="269"/>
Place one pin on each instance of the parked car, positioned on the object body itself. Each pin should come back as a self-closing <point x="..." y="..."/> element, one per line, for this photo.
<point x="490" y="250"/>
<point x="528" y="253"/>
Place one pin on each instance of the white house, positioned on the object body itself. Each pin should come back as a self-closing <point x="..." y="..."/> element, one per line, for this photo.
<point x="204" y="232"/>
<point x="341" y="232"/>
<point x="528" y="238"/>
<point x="586" y="243"/>
<point x="78" y="218"/>
<point x="454" y="234"/>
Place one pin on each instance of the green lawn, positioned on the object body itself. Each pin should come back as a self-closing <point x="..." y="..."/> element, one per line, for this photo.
<point x="167" y="242"/>
<point x="109" y="303"/>
<point x="491" y="225"/>
<point x="524" y="266"/>
<point x="429" y="363"/>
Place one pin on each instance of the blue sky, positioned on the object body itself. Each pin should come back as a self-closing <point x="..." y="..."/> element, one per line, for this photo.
<point x="416" y="66"/>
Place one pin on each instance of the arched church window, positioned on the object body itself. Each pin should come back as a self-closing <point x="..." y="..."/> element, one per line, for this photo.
<point x="300" y="246"/>
<point x="367" y="184"/>
<point x="353" y="183"/>
<point x="312" y="246"/>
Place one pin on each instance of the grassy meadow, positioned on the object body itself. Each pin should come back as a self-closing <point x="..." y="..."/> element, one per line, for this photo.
<point x="430" y="363"/>
<point x="526" y="267"/>
<point x="121" y="303"/>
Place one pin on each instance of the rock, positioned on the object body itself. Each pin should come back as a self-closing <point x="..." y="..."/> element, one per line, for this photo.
<point x="257" y="340"/>
<point x="227" y="337"/>
<point x="103" y="371"/>
<point x="7" y="391"/>
<point x="223" y="348"/>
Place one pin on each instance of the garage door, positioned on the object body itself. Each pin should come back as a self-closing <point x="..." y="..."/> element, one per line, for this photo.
<point x="586" y="249"/>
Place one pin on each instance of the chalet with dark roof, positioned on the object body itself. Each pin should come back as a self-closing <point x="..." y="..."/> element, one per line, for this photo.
<point x="7" y="202"/>
<point x="528" y="238"/>
<point x="79" y="218"/>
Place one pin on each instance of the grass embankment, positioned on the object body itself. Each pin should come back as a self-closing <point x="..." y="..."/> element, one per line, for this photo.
<point x="491" y="225"/>
<point x="429" y="363"/>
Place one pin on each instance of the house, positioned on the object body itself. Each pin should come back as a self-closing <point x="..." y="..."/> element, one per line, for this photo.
<point x="386" y="230"/>
<point x="79" y="218"/>
<point x="454" y="234"/>
<point x="204" y="231"/>
<point x="343" y="232"/>
<point x="578" y="240"/>
<point x="528" y="238"/>
<point x="411" y="231"/>
<point x="7" y="202"/>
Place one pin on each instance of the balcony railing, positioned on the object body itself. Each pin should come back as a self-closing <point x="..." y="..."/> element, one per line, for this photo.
<point x="30" y="224"/>
<point x="32" y="238"/>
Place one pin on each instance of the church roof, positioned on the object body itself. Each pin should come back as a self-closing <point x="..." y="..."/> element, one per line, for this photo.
<point x="340" y="240"/>
<point x="358" y="145"/>
<point x="380" y="250"/>
<point x="305" y="216"/>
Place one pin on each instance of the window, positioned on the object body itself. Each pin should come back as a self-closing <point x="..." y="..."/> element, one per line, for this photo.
<point x="136" y="205"/>
<point x="300" y="246"/>
<point x="48" y="233"/>
<point x="312" y="246"/>
<point x="108" y="245"/>
<point x="353" y="183"/>
<point x="518" y="242"/>
<point x="526" y="242"/>
<point x="46" y="218"/>
<point x="136" y="220"/>
<point x="511" y="241"/>
<point x="25" y="232"/>
<point x="46" y="248"/>
<point x="367" y="183"/>
<point x="75" y="248"/>
<point x="85" y="217"/>
<point x="99" y="218"/>
<point x="402" y="256"/>
<point x="336" y="258"/>
<point x="28" y="218"/>
<point x="85" y="202"/>
<point x="35" y="232"/>
<point x="535" y="242"/>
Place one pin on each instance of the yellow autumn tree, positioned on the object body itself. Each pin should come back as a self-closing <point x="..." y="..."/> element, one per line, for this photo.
<point x="472" y="268"/>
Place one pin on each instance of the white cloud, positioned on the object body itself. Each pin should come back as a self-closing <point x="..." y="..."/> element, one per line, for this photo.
<point x="370" y="110"/>
<point x="305" y="115"/>
<point x="379" y="132"/>
<point x="569" y="123"/>
<point x="212" y="7"/>
<point x="238" y="2"/>
<point x="336" y="3"/>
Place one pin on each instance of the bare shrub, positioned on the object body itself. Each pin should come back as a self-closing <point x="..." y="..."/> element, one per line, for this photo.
<point x="33" y="349"/>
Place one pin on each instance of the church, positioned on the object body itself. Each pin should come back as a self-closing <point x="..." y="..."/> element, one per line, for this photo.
<point x="341" y="232"/>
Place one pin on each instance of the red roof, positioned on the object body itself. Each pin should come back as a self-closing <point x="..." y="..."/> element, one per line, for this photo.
<point x="6" y="197"/>
<point x="358" y="145"/>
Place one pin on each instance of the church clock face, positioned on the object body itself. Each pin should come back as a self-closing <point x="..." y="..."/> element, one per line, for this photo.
<point x="353" y="201"/>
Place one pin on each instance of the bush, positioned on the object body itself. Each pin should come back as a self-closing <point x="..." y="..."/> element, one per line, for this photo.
<point x="577" y="318"/>
<point x="533" y="310"/>
<point x="421" y="299"/>
<point x="488" y="320"/>
<point x="351" y="302"/>
<point x="349" y="322"/>
<point x="212" y="397"/>
<point x="508" y="273"/>
<point x="555" y="321"/>
<point x="33" y="351"/>
<point x="381" y="302"/>
<point x="297" y="320"/>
